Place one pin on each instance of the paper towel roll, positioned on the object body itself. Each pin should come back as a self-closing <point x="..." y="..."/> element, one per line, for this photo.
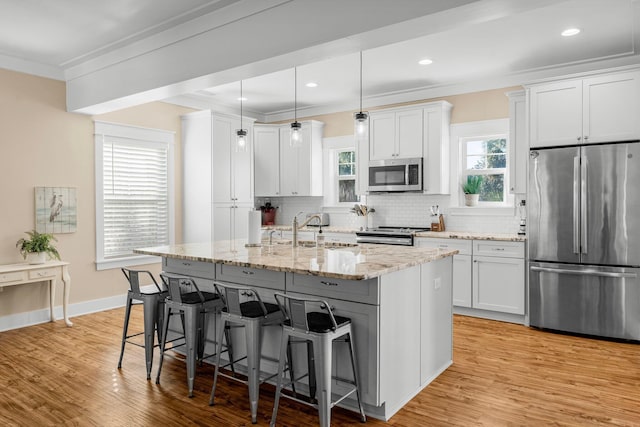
<point x="255" y="228"/>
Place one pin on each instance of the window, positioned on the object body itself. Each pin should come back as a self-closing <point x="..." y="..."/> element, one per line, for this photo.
<point x="486" y="156"/>
<point x="134" y="201"/>
<point x="346" y="179"/>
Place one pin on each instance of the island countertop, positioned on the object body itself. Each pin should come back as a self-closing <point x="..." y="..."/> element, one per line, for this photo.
<point x="361" y="262"/>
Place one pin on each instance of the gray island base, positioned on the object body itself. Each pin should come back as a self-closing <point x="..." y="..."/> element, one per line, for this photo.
<point x="398" y="298"/>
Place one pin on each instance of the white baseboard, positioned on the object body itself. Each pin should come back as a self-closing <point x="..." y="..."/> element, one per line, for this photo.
<point x="29" y="318"/>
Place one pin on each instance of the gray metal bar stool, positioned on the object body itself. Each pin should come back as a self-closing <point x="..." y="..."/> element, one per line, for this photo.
<point x="322" y="328"/>
<point x="152" y="298"/>
<point x="192" y="304"/>
<point x="244" y="307"/>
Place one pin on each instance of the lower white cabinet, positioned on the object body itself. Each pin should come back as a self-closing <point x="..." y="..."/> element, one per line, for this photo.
<point x="230" y="221"/>
<point x="487" y="274"/>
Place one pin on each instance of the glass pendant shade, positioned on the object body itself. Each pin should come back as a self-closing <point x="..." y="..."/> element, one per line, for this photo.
<point x="296" y="135"/>
<point x="361" y="123"/>
<point x="241" y="140"/>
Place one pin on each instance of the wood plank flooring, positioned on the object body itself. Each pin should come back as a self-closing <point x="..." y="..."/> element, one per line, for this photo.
<point x="503" y="374"/>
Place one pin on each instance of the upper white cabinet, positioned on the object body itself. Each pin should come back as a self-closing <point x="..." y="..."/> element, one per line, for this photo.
<point x="217" y="180"/>
<point x="282" y="170"/>
<point x="267" y="160"/>
<point x="396" y="134"/>
<point x="435" y="167"/>
<point x="518" y="143"/>
<point x="591" y="110"/>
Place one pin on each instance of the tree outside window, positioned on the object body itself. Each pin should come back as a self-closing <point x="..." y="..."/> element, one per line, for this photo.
<point x="346" y="160"/>
<point x="487" y="156"/>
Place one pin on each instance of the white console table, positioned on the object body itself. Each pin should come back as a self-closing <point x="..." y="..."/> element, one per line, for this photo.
<point x="52" y="271"/>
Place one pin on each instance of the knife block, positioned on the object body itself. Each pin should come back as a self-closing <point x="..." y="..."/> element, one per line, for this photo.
<point x="439" y="224"/>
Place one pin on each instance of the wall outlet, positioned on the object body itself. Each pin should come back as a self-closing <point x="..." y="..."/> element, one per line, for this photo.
<point x="437" y="283"/>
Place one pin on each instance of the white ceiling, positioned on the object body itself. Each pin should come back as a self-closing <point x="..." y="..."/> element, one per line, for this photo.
<point x="49" y="37"/>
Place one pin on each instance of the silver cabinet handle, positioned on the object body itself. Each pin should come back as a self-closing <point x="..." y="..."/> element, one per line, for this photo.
<point x="586" y="272"/>
<point x="443" y="246"/>
<point x="586" y="137"/>
<point x="498" y="249"/>
<point x="188" y="264"/>
<point x="324" y="282"/>
<point x="247" y="272"/>
<point x="579" y="138"/>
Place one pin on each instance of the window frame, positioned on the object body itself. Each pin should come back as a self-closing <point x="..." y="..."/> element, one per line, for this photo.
<point x="142" y="135"/>
<point x="464" y="171"/>
<point x="337" y="177"/>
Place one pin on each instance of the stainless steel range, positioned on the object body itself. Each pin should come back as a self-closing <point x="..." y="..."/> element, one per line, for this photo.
<point x="389" y="235"/>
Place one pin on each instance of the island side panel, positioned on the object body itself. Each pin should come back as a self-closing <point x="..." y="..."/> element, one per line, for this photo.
<point x="436" y="319"/>
<point x="399" y="338"/>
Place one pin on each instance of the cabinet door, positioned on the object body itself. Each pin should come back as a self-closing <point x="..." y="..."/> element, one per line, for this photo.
<point x="288" y="165"/>
<point x="518" y="144"/>
<point x="556" y="114"/>
<point x="409" y="134"/>
<point x="382" y="138"/>
<point x="611" y="108"/>
<point x="240" y="224"/>
<point x="498" y="284"/>
<point x="435" y="166"/>
<point x="266" y="148"/>
<point x="222" y="129"/>
<point x="222" y="227"/>
<point x="462" y="280"/>
<point x="242" y="168"/>
<point x="303" y="163"/>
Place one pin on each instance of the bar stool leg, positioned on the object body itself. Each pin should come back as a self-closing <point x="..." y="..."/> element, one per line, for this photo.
<point x="253" y="334"/>
<point x="150" y="307"/>
<point x="311" y="366"/>
<point x="163" y="340"/>
<point x="352" y="353"/>
<point x="160" y="318"/>
<point x="322" y="347"/>
<point x="284" y="343"/>
<point x="220" y="327"/>
<point x="191" y="344"/>
<point x="125" y="328"/>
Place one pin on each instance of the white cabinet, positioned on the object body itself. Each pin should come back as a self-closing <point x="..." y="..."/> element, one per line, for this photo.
<point x="435" y="167"/>
<point x="591" y="110"/>
<point x="282" y="170"/>
<point x="498" y="276"/>
<point x="267" y="160"/>
<point x="518" y="143"/>
<point x="396" y="134"/>
<point x="217" y="188"/>
<point x="487" y="274"/>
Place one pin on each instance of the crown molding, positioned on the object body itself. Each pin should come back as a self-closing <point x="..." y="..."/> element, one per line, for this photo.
<point x="30" y="67"/>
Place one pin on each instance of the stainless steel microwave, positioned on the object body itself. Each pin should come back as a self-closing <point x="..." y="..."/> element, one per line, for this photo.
<point x="395" y="175"/>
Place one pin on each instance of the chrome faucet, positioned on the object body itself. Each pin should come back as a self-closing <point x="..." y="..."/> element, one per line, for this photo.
<point x="295" y="226"/>
<point x="271" y="236"/>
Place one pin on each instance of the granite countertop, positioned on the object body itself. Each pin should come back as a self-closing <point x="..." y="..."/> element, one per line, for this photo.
<point x="471" y="235"/>
<point x="361" y="262"/>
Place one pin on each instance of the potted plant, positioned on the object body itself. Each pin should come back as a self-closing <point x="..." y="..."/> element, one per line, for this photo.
<point x="36" y="248"/>
<point x="471" y="190"/>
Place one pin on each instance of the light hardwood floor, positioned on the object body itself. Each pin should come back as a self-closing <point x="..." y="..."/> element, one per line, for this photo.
<point x="503" y="374"/>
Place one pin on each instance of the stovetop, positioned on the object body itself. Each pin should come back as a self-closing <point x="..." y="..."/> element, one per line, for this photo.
<point x="394" y="230"/>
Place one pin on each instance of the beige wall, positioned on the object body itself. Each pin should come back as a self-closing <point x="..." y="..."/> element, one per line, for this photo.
<point x="468" y="107"/>
<point x="43" y="145"/>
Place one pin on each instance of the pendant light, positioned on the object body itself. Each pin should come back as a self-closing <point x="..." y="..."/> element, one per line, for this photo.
<point x="360" y="117"/>
<point x="296" y="128"/>
<point x="241" y="134"/>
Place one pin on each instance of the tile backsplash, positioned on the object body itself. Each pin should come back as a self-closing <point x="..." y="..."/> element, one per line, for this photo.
<point x="402" y="209"/>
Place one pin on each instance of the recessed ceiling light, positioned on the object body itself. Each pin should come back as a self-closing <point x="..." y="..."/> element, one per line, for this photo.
<point x="425" y="62"/>
<point x="312" y="84"/>
<point x="570" y="32"/>
<point x="242" y="99"/>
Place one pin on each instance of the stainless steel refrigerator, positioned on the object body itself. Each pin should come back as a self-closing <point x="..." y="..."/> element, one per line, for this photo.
<point x="584" y="239"/>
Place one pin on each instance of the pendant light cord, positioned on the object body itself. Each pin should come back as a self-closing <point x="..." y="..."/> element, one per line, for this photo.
<point x="240" y="104"/>
<point x="295" y="94"/>
<point x="361" y="81"/>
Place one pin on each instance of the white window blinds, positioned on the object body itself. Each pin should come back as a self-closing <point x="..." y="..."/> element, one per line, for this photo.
<point x="133" y="191"/>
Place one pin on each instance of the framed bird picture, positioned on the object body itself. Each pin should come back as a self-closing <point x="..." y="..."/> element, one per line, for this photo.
<point x="56" y="209"/>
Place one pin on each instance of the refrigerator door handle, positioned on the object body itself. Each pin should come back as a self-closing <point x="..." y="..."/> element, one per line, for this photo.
<point x="576" y="205"/>
<point x="586" y="272"/>
<point x="583" y="202"/>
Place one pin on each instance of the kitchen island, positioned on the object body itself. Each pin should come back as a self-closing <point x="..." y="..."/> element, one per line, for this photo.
<point x="398" y="298"/>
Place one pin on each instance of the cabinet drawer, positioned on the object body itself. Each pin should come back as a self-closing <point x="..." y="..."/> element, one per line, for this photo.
<point x="502" y="249"/>
<point x="250" y="276"/>
<point x="464" y="246"/>
<point x="364" y="291"/>
<point x="190" y="268"/>
<point x="43" y="274"/>
<point x="15" y="276"/>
